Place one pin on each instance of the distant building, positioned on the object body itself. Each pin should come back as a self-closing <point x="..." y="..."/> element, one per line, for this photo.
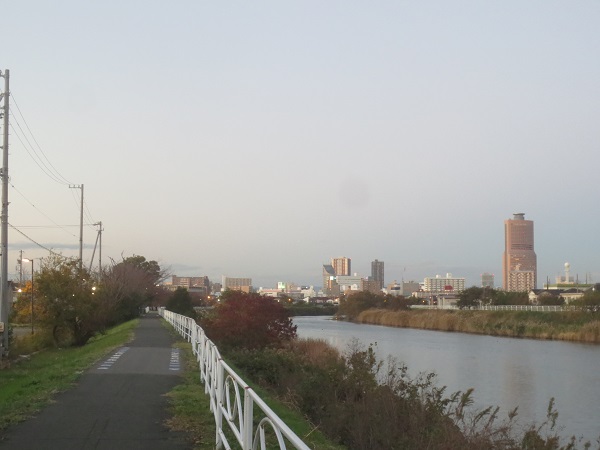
<point x="349" y="282"/>
<point x="444" y="285"/>
<point x="519" y="261"/>
<point x="487" y="280"/>
<point x="268" y="292"/>
<point x="329" y="283"/>
<point x="192" y="284"/>
<point x="236" y="284"/>
<point x="405" y="289"/>
<point x="370" y="285"/>
<point x="341" y="266"/>
<point x="378" y="272"/>
<point x="566" y="279"/>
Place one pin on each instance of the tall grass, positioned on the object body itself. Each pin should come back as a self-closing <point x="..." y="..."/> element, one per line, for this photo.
<point x="568" y="325"/>
<point x="362" y="403"/>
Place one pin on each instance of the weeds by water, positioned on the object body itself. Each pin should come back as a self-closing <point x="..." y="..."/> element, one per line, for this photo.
<point x="363" y="403"/>
<point x="578" y="326"/>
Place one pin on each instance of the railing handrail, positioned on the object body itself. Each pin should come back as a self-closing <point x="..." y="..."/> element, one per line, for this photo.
<point x="547" y="308"/>
<point x="221" y="383"/>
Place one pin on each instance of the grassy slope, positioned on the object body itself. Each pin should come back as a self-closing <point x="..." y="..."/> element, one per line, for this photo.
<point x="191" y="411"/>
<point x="29" y="385"/>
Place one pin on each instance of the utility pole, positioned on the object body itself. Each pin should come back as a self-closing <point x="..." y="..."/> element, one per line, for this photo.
<point x="100" y="249"/>
<point x="20" y="269"/>
<point x="4" y="298"/>
<point x="98" y="238"/>
<point x="80" y="186"/>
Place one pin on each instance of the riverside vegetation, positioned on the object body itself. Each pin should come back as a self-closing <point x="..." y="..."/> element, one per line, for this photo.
<point x="356" y="400"/>
<point x="582" y="325"/>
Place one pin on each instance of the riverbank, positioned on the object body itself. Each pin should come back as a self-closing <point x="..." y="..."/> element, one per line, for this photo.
<point x="567" y="326"/>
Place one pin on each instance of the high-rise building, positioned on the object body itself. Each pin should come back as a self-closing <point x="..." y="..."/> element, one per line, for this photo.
<point x="519" y="261"/>
<point x="487" y="280"/>
<point x="377" y="272"/>
<point x="328" y="279"/>
<point x="341" y="266"/>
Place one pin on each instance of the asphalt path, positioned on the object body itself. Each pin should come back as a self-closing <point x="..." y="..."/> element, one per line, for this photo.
<point x="117" y="404"/>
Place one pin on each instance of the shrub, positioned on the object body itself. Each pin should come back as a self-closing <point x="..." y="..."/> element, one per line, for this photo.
<point x="248" y="321"/>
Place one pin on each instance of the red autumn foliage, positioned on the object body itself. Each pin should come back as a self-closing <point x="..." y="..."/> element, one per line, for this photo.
<point x="250" y="321"/>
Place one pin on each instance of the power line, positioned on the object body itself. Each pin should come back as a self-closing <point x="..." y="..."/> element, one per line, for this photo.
<point x="57" y="174"/>
<point x="36" y="243"/>
<point x="39" y="210"/>
<point x="43" y="162"/>
<point x="53" y="226"/>
<point x="27" y="149"/>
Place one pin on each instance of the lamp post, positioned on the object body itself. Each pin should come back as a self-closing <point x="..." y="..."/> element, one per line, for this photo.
<point x="31" y="261"/>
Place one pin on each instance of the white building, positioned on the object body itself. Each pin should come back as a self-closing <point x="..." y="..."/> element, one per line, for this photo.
<point x="349" y="282"/>
<point x="447" y="284"/>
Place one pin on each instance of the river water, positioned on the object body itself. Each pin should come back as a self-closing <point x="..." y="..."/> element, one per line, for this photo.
<point x="504" y="372"/>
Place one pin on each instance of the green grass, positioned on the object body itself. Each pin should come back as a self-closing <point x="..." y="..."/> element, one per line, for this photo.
<point x="30" y="384"/>
<point x="190" y="408"/>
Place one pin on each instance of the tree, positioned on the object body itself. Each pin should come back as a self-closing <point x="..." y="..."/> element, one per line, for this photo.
<point x="127" y="286"/>
<point x="68" y="306"/>
<point x="250" y="321"/>
<point x="357" y="302"/>
<point x="510" y="298"/>
<point x="591" y="300"/>
<point x="470" y="297"/>
<point x="549" y="298"/>
<point x="180" y="302"/>
<point x="21" y="312"/>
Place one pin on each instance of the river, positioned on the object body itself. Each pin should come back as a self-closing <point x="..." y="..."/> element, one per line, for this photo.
<point x="504" y="372"/>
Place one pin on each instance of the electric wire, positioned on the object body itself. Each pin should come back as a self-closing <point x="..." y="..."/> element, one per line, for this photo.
<point x="57" y="174"/>
<point x="27" y="149"/>
<point x="36" y="243"/>
<point x="39" y="210"/>
<point x="43" y="162"/>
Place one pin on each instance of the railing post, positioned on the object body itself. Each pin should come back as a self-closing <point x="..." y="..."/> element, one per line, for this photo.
<point x="218" y="398"/>
<point x="248" y="420"/>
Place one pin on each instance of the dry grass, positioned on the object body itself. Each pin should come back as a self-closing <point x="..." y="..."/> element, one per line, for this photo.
<point x="568" y="326"/>
<point x="315" y="352"/>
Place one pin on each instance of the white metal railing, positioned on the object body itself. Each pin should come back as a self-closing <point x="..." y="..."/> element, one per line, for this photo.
<point x="232" y="401"/>
<point x="523" y="308"/>
<point x="503" y="307"/>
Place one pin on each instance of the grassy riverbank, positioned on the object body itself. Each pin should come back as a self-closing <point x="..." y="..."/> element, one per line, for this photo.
<point x="567" y="326"/>
<point x="30" y="384"/>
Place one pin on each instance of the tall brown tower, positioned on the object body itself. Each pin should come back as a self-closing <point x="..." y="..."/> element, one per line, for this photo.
<point x="341" y="265"/>
<point x="519" y="261"/>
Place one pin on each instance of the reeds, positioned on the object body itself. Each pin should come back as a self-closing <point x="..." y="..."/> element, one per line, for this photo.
<point x="568" y="326"/>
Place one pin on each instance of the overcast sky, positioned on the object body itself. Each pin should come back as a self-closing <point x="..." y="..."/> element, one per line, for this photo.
<point x="260" y="139"/>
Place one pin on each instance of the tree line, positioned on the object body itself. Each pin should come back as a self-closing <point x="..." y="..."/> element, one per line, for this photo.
<point x="71" y="304"/>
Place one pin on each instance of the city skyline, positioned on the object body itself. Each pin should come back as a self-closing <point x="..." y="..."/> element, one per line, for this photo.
<point x="261" y="140"/>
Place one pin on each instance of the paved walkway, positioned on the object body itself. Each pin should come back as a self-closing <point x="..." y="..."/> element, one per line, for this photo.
<point x="118" y="404"/>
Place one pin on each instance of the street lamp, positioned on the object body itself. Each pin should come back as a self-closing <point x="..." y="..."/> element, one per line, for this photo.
<point x="31" y="261"/>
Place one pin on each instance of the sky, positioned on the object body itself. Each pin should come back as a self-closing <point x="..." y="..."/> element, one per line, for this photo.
<point x="261" y="139"/>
